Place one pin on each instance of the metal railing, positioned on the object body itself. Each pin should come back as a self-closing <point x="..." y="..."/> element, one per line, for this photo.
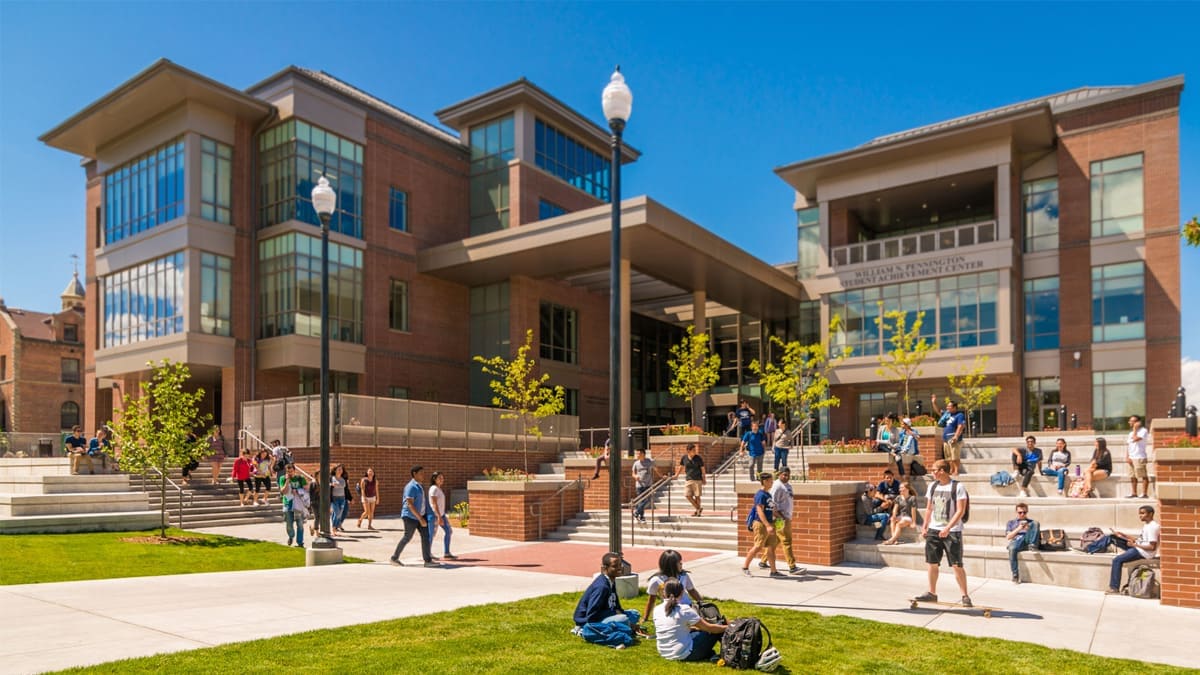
<point x="178" y="489"/>
<point x="245" y="435"/>
<point x="536" y="510"/>
<point x="649" y="496"/>
<point x="913" y="244"/>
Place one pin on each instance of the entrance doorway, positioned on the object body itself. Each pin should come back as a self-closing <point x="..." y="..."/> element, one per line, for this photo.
<point x="1042" y="398"/>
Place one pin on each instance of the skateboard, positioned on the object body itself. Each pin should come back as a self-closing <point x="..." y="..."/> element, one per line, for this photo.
<point x="987" y="611"/>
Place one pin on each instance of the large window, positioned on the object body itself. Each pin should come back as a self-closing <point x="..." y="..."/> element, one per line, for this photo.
<point x="570" y="402"/>
<point x="216" y="180"/>
<point x="1117" y="394"/>
<point x="1041" y="314"/>
<point x="144" y="301"/>
<point x="559" y="335"/>
<point x="571" y="161"/>
<point x="1119" y="302"/>
<point x="398" y="305"/>
<point x="68" y="415"/>
<point x="70" y="371"/>
<point x="489" y="334"/>
<point x="808" y="237"/>
<point x="1117" y="196"/>
<point x="294" y="155"/>
<point x="397" y="209"/>
<point x="491" y="149"/>
<point x="290" y="288"/>
<point x="1041" y="214"/>
<point x="549" y="209"/>
<point x="216" y="293"/>
<point x="144" y="192"/>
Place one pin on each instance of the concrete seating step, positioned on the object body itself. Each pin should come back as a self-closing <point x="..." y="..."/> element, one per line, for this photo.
<point x="99" y="521"/>
<point x="72" y="503"/>
<point x="46" y="484"/>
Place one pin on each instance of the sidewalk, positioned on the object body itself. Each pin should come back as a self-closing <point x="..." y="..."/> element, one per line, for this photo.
<point x="122" y="618"/>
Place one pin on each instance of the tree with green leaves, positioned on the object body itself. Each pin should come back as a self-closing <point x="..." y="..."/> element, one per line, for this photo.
<point x="1191" y="232"/>
<point x="694" y="368"/>
<point x="902" y="362"/>
<point x="157" y="428"/>
<point x="800" y="381"/>
<point x="968" y="387"/>
<point x="517" y="388"/>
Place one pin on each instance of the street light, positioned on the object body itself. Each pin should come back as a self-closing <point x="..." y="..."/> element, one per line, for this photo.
<point x="324" y="200"/>
<point x="617" y="101"/>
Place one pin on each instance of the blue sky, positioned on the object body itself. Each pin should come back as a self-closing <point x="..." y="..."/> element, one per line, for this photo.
<point x="723" y="93"/>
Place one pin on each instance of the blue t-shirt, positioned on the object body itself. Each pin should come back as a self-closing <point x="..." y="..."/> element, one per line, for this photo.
<point x="754" y="442"/>
<point x="744" y="416"/>
<point x="761" y="498"/>
<point x="1033" y="456"/>
<point x="415" y="492"/>
<point x="952" y="424"/>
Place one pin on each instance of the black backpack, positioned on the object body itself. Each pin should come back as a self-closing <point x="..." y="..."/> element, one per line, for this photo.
<point x="954" y="502"/>
<point x="742" y="643"/>
<point x="710" y="613"/>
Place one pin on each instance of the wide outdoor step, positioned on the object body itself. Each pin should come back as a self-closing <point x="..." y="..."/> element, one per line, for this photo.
<point x="79" y="502"/>
<point x="60" y="484"/>
<point x="1047" y="486"/>
<point x="986" y="536"/>
<point x="647" y="538"/>
<point x="81" y="522"/>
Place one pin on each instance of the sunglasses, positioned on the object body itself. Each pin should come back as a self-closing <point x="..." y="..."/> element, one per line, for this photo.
<point x="1021" y="513"/>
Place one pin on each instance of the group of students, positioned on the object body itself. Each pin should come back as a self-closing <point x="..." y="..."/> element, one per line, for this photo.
<point x="891" y="506"/>
<point x="757" y="435"/>
<point x="298" y="494"/>
<point x="81" y="449"/>
<point x="1030" y="461"/>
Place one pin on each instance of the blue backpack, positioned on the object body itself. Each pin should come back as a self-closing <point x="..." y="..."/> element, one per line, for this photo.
<point x="1001" y="478"/>
<point x="607" y="634"/>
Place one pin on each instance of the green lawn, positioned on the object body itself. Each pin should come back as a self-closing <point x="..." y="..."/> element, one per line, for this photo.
<point x="41" y="558"/>
<point x="531" y="636"/>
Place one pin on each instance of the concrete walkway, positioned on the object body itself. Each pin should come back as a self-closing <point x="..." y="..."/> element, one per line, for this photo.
<point x="60" y="625"/>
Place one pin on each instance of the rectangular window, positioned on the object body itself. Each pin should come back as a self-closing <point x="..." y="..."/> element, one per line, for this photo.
<point x="398" y="305"/>
<point x="491" y="149"/>
<point x="1041" y="214"/>
<point x="143" y="302"/>
<point x="144" y="192"/>
<point x="559" y="337"/>
<point x="70" y="371"/>
<point x="549" y="209"/>
<point x="570" y="402"/>
<point x="1042" y="398"/>
<point x="397" y="392"/>
<point x="216" y="293"/>
<point x="1041" y="314"/>
<point x="293" y="156"/>
<point x="808" y="237"/>
<point x="289" y="295"/>
<point x="1117" y="196"/>
<point x="216" y="180"/>
<point x="3" y="367"/>
<point x="567" y="158"/>
<point x="1117" y="394"/>
<point x="398" y="209"/>
<point x="1119" y="302"/>
<point x="489" y="334"/>
<point x="70" y="333"/>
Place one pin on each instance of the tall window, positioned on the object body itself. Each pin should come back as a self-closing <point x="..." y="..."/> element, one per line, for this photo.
<point x="808" y="237"/>
<point x="1117" y="394"/>
<point x="1117" y="196"/>
<point x="144" y="192"/>
<point x="68" y="415"/>
<point x="1119" y="302"/>
<point x="70" y="333"/>
<point x="398" y="305"/>
<point x="559" y="337"/>
<point x="549" y="209"/>
<point x="489" y="334"/>
<point x="290" y="288"/>
<point x="397" y="209"/>
<point x="216" y="293"/>
<point x="3" y="367"/>
<point x="491" y="148"/>
<point x="70" y="371"/>
<point x="570" y="402"/>
<point x="1041" y="314"/>
<point x="294" y="155"/>
<point x="1041" y="214"/>
<point x="216" y="180"/>
<point x="571" y="161"/>
<point x="144" y="301"/>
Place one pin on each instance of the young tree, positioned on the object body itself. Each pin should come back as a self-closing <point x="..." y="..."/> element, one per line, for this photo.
<point x="902" y="363"/>
<point x="524" y="394"/>
<point x="968" y="387"/>
<point x="1191" y="232"/>
<point x="154" y="428"/>
<point x="694" y="366"/>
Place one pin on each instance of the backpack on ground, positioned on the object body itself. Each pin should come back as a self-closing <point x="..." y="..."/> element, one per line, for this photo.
<point x="742" y="643"/>
<point x="917" y="468"/>
<point x="1093" y="540"/>
<point x="954" y="502"/>
<point x="1143" y="582"/>
<point x="710" y="612"/>
<point x="1052" y="540"/>
<point x="1002" y="478"/>
<point x="1078" y="489"/>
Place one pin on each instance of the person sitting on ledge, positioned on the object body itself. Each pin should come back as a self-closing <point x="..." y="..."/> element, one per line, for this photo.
<point x="1022" y="535"/>
<point x="1133" y="548"/>
<point x="1027" y="462"/>
<point x="1100" y="467"/>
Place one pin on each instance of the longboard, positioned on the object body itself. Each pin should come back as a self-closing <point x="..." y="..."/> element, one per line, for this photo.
<point x="987" y="611"/>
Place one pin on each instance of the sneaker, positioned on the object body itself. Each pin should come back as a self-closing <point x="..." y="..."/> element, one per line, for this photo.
<point x="878" y="525"/>
<point x="1130" y="496"/>
<point x="1023" y="493"/>
<point x="289" y="541"/>
<point x="299" y="544"/>
<point x="926" y="597"/>
<point x="777" y="575"/>
<point x="431" y="563"/>
<point x="798" y="570"/>
<point x="746" y="571"/>
<point x="1060" y="493"/>
<point x="1112" y="591"/>
<point x="763" y="566"/>
<point x="1016" y="579"/>
<point x="450" y="556"/>
<point x="1143" y="497"/>
<point x="396" y="562"/>
<point x="966" y="601"/>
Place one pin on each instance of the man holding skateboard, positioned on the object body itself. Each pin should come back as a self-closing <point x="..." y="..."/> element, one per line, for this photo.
<point x="947" y="506"/>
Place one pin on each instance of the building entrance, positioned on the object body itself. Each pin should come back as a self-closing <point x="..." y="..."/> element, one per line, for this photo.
<point x="1042" y="398"/>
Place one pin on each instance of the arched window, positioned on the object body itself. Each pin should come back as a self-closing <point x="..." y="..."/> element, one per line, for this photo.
<point x="69" y="415"/>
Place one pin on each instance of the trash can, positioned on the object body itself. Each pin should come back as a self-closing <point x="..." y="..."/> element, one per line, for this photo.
<point x="45" y="447"/>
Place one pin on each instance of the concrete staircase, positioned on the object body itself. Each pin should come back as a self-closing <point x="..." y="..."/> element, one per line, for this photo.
<point x="206" y="505"/>
<point x="39" y="494"/>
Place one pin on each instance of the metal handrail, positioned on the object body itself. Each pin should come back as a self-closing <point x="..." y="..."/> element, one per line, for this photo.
<point x="647" y="496"/>
<point x="579" y="482"/>
<point x="179" y="489"/>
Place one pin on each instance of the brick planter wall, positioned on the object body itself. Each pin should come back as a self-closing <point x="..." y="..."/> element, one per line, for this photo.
<point x="859" y="467"/>
<point x="507" y="509"/>
<point x="1178" y="465"/>
<point x="930" y="444"/>
<point x="1179" y="515"/>
<point x="1166" y="429"/>
<point x="822" y="521"/>
<point x="595" y="496"/>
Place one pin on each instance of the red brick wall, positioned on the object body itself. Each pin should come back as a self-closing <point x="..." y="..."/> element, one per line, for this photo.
<point x="511" y="515"/>
<point x="713" y="450"/>
<point x="821" y="526"/>
<point x="870" y="469"/>
<point x="1180" y="552"/>
<point x="34" y="391"/>
<point x="595" y="495"/>
<point x="1177" y="469"/>
<point x="529" y="184"/>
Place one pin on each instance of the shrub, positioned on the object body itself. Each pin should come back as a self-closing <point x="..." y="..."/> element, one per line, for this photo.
<point x="924" y="421"/>
<point x="1182" y="442"/>
<point x="462" y="511"/>
<point x="683" y="430"/>
<point x="496" y="473"/>
<point x="845" y="447"/>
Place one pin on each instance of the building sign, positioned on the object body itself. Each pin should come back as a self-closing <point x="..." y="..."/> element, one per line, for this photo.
<point x="887" y="273"/>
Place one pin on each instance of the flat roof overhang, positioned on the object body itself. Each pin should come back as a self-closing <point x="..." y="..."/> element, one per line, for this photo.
<point x="658" y="243"/>
<point x="1029" y="129"/>
<point x="152" y="92"/>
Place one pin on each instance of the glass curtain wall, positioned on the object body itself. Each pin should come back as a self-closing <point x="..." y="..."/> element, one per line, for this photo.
<point x="290" y="288"/>
<point x="1041" y="214"/>
<point x="489" y="335"/>
<point x="570" y="160"/>
<point x="216" y="290"/>
<point x="1117" y="394"/>
<point x="1041" y="314"/>
<point x="144" y="301"/>
<point x="808" y="238"/>
<point x="216" y="180"/>
<point x="1119" y="302"/>
<point x="144" y="192"/>
<point x="294" y="155"/>
<point x="491" y="149"/>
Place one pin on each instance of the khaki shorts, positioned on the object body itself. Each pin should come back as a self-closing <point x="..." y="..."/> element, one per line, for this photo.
<point x="761" y="538"/>
<point x="1139" y="467"/>
<point x="694" y="488"/>
<point x="952" y="452"/>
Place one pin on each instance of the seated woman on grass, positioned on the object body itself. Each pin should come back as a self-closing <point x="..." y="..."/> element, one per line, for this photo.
<point x="670" y="566"/>
<point x="904" y="513"/>
<point x="680" y="633"/>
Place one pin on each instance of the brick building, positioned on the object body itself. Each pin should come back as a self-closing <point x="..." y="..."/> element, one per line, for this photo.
<point x="41" y="361"/>
<point x="202" y="248"/>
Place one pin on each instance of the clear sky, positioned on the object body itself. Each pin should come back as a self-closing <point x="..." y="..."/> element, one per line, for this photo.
<point x="723" y="93"/>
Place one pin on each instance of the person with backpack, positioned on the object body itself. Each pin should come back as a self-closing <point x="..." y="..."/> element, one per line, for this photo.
<point x="1022" y="535"/>
<point x="670" y="567"/>
<point x="1144" y="546"/>
<point x="761" y="522"/>
<point x="680" y="633"/>
<point x="948" y="507"/>
<point x="293" y="494"/>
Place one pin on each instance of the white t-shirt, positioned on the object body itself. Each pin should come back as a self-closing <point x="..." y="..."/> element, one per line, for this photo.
<point x="673" y="634"/>
<point x="781" y="494"/>
<point x="437" y="499"/>
<point x="939" y="496"/>
<point x="654" y="587"/>
<point x="1149" y="534"/>
<point x="1137" y="443"/>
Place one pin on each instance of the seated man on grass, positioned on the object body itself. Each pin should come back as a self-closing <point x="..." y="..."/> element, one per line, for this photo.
<point x="600" y="604"/>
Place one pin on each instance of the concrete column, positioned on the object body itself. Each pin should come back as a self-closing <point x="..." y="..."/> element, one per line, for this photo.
<point x="699" y="325"/>
<point x="1004" y="202"/>
<point x="626" y="345"/>
<point x="824" y="266"/>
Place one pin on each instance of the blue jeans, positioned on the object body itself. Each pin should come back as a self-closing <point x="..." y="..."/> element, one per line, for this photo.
<point x="639" y="511"/>
<point x="631" y="616"/>
<point x="702" y="645"/>
<point x="294" y="521"/>
<point x="1061" y="473"/>
<point x="444" y="522"/>
<point x="1025" y="542"/>
<point x="337" y="511"/>
<point x="781" y="455"/>
<point x="1128" y="553"/>
<point x="882" y="519"/>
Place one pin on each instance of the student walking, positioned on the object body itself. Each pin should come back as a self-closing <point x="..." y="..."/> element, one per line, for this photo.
<point x="216" y="453"/>
<point x="947" y="506"/>
<point x="368" y="487"/>
<point x="761" y="522"/>
<point x="339" y="497"/>
<point x="438" y="517"/>
<point x="262" y="476"/>
<point x="293" y="492"/>
<point x="413" y="513"/>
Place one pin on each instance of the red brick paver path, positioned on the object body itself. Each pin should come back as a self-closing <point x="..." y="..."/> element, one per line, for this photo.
<point x="581" y="560"/>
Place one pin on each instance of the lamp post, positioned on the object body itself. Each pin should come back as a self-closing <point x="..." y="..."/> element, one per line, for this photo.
<point x="324" y="200"/>
<point x="617" y="101"/>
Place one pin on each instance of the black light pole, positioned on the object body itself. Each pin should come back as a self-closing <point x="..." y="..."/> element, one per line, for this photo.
<point x="324" y="201"/>
<point x="617" y="102"/>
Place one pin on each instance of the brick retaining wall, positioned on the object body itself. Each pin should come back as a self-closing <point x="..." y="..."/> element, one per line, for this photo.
<point x="508" y="509"/>
<point x="822" y="522"/>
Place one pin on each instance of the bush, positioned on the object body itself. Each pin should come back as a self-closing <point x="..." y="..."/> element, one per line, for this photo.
<point x="924" y="421"/>
<point x="683" y="430"/>
<point x="496" y="473"/>
<point x="1182" y="442"/>
<point x="849" y="447"/>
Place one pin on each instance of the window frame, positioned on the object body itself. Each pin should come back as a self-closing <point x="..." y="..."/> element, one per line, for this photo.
<point x="1097" y="175"/>
<point x="65" y="422"/>
<point x="398" y="293"/>
<point x="68" y="375"/>
<point x="1031" y="292"/>
<point x="551" y="315"/>
<point x="1031" y="190"/>
<point x="397" y="209"/>
<point x="1100" y="327"/>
